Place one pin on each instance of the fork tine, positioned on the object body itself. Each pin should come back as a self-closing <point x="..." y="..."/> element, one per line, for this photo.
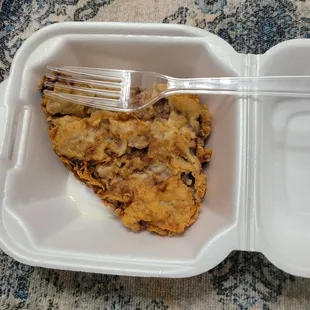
<point x="92" y="69"/>
<point x="106" y="104"/>
<point x="90" y="82"/>
<point x="75" y="97"/>
<point x="105" y="75"/>
<point x="93" y="87"/>
<point x="85" y="100"/>
<point x="103" y="92"/>
<point x="107" y="72"/>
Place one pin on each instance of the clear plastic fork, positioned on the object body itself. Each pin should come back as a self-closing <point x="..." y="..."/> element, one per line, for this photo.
<point x="128" y="90"/>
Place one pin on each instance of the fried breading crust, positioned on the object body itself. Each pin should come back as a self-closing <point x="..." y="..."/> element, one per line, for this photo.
<point x="144" y="165"/>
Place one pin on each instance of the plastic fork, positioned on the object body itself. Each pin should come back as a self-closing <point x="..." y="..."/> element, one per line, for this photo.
<point x="128" y="90"/>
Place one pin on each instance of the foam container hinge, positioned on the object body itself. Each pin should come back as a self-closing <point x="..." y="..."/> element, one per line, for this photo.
<point x="257" y="199"/>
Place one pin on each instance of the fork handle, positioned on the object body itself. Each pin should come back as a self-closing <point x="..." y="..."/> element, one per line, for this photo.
<point x="266" y="85"/>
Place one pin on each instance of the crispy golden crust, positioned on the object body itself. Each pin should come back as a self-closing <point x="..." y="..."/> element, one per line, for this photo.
<point x="144" y="165"/>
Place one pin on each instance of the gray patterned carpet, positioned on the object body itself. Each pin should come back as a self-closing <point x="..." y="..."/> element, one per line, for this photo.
<point x="243" y="280"/>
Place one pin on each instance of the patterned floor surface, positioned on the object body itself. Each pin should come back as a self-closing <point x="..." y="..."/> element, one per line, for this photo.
<point x="243" y="280"/>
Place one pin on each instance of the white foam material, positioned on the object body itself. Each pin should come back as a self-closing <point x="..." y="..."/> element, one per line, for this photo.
<point x="257" y="195"/>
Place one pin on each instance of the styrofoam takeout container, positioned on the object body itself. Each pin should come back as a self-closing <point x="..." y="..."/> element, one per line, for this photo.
<point x="258" y="179"/>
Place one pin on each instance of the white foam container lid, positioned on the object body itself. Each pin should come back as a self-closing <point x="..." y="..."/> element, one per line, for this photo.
<point x="258" y="197"/>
